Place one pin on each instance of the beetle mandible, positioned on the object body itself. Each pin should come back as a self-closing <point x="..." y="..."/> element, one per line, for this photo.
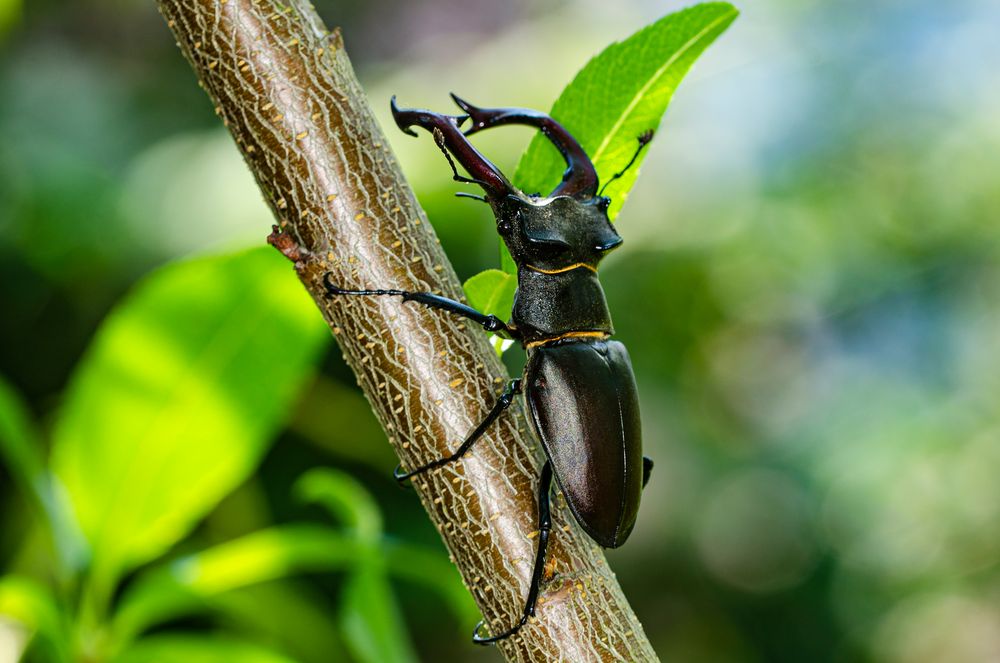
<point x="577" y="382"/>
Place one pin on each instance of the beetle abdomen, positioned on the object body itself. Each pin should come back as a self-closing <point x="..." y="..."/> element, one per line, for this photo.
<point x="584" y="407"/>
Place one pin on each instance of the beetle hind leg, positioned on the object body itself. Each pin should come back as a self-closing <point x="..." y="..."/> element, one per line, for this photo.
<point x="544" y="527"/>
<point x="506" y="398"/>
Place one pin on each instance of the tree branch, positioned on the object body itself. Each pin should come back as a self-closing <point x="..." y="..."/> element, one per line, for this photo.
<point x="285" y="88"/>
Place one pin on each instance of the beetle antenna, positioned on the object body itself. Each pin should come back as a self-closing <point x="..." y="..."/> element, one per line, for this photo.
<point x="465" y="194"/>
<point x="448" y="135"/>
<point x="440" y="141"/>
<point x="644" y="138"/>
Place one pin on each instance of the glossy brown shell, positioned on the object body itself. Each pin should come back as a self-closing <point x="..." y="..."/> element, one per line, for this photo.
<point x="584" y="407"/>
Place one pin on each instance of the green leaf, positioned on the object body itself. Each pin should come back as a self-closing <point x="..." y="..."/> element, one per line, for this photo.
<point x="188" y="584"/>
<point x="198" y="649"/>
<point x="178" y="397"/>
<point x="618" y="95"/>
<point x="33" y="606"/>
<point x="492" y="292"/>
<point x="372" y="624"/>
<point x="345" y="498"/>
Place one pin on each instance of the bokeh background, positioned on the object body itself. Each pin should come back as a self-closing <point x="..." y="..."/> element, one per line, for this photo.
<point x="809" y="288"/>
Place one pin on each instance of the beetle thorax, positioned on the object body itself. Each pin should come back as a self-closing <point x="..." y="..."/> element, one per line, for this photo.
<point x="557" y="244"/>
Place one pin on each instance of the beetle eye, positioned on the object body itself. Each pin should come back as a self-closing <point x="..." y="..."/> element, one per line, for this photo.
<point x="603" y="203"/>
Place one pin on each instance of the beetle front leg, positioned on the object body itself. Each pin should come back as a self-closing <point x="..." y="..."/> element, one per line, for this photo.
<point x="506" y="398"/>
<point x="490" y="323"/>
<point x="544" y="527"/>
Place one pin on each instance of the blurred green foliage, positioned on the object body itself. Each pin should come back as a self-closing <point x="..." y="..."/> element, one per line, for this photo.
<point x="179" y="396"/>
<point x="808" y="288"/>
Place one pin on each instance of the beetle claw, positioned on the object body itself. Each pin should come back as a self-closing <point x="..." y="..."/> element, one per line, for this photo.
<point x="400" y="476"/>
<point x="404" y="118"/>
<point x="479" y="118"/>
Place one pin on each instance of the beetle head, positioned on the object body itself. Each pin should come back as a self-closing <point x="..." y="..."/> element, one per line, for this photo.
<point x="556" y="233"/>
<point x="568" y="227"/>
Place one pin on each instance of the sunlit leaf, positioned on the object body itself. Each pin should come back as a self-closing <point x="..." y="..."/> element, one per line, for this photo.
<point x="177" y="398"/>
<point x="618" y="95"/>
<point x="188" y="583"/>
<point x="198" y="649"/>
<point x="33" y="606"/>
<point x="373" y="626"/>
<point x="621" y="93"/>
<point x="492" y="292"/>
<point x="346" y="499"/>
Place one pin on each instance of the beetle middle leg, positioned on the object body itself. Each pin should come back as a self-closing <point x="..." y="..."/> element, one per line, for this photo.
<point x="506" y="398"/>
<point x="544" y="527"/>
<point x="490" y="323"/>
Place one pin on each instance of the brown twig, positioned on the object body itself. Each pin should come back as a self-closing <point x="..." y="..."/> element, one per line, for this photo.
<point x="285" y="88"/>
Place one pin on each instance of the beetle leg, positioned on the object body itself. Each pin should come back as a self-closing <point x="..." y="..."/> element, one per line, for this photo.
<point x="506" y="398"/>
<point x="580" y="178"/>
<point x="647" y="469"/>
<point x="490" y="323"/>
<point x="544" y="527"/>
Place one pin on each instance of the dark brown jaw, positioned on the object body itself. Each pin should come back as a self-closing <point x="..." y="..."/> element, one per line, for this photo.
<point x="579" y="180"/>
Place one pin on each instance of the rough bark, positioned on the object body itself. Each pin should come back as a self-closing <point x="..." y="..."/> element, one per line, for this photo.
<point x="285" y="88"/>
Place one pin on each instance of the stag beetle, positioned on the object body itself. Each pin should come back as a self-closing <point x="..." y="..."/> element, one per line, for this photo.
<point x="578" y="383"/>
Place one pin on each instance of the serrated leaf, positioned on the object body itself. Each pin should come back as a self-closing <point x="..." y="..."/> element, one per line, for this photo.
<point x="618" y="95"/>
<point x="492" y="292"/>
<point x="178" y="397"/>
